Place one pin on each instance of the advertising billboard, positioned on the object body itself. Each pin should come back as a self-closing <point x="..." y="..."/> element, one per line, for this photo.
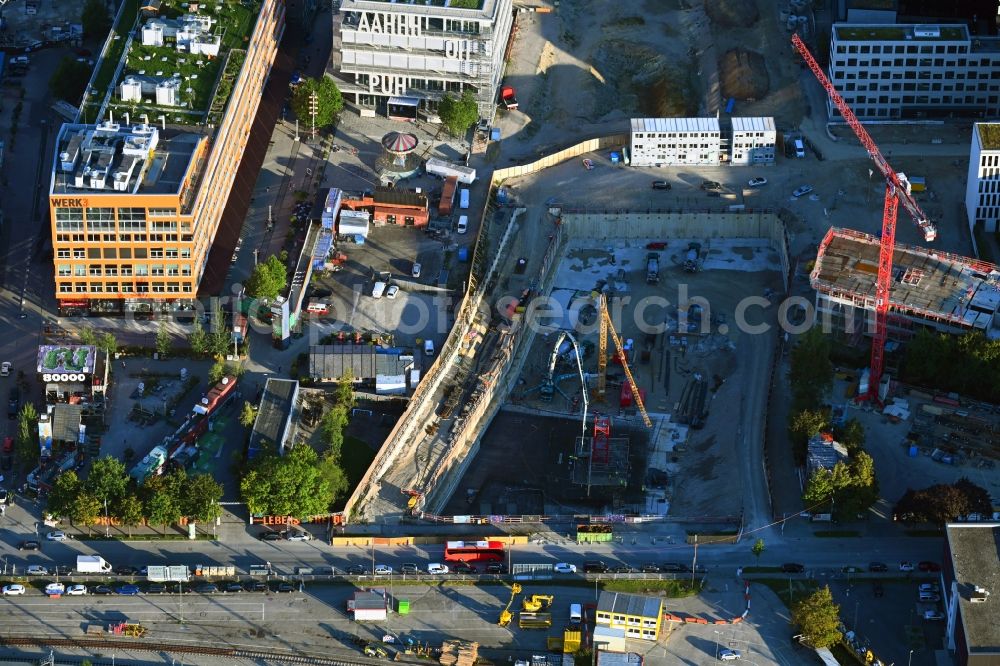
<point x="66" y="363"/>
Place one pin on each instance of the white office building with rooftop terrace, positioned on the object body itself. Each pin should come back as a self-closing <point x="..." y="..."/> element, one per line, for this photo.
<point x="914" y="71"/>
<point x="397" y="58"/>
<point x="982" y="188"/>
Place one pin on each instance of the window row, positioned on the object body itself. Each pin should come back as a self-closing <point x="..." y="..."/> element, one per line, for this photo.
<point x="124" y="288"/>
<point x="123" y="253"/>
<point x="126" y="270"/>
<point x="898" y="48"/>
<point x="124" y="238"/>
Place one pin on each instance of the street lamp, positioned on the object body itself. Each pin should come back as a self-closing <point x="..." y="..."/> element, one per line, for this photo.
<point x="910" y="659"/>
<point x="716" y="645"/>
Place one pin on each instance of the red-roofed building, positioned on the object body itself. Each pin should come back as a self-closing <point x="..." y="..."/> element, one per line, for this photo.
<point x="389" y="206"/>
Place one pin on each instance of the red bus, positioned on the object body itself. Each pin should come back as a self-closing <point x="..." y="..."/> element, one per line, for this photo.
<point x="474" y="551"/>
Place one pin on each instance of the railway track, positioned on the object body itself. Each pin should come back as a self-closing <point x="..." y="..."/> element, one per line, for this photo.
<point x="146" y="646"/>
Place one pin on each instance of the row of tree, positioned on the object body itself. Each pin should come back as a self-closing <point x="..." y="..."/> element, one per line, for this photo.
<point x="108" y="490"/>
<point x="302" y="482"/>
<point x="943" y="503"/>
<point x="931" y="358"/>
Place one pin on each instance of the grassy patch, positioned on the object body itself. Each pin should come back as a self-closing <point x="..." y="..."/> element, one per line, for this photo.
<point x="790" y="591"/>
<point x="167" y="61"/>
<point x="924" y="533"/>
<point x="465" y="4"/>
<point x="837" y="534"/>
<point x="669" y="588"/>
<point x="114" y="53"/>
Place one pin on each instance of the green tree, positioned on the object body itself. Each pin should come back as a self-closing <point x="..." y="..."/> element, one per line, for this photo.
<point x="458" y="114"/>
<point x="107" y="479"/>
<point x="942" y="503"/>
<point x="851" y="435"/>
<point x="329" y="102"/>
<point x="248" y="415"/>
<point x="162" y="339"/>
<point x="977" y="499"/>
<point x="803" y="425"/>
<point x="819" y="489"/>
<point x="818" y="618"/>
<point x="267" y="280"/>
<point x="757" y="549"/>
<point x="88" y="336"/>
<point x="129" y="511"/>
<point x="344" y="393"/>
<point x="63" y="495"/>
<point x="811" y="373"/>
<point x="199" y="339"/>
<point x="331" y="472"/>
<point x="85" y="509"/>
<point x="200" y="498"/>
<point x="95" y="19"/>
<point x="26" y="444"/>
<point x="109" y="342"/>
<point x="70" y="80"/>
<point x="288" y="485"/>
<point x="162" y="508"/>
<point x="333" y="424"/>
<point x="219" y="336"/>
<point x="216" y="372"/>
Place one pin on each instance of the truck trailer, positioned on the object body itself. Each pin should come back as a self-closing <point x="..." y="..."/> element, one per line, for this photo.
<point x="168" y="574"/>
<point x="447" y="196"/>
<point x="92" y="564"/>
<point x="465" y="175"/>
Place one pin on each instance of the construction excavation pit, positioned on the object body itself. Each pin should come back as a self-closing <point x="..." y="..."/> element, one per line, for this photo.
<point x="637" y="378"/>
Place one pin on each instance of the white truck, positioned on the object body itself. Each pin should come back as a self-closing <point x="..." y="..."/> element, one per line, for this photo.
<point x="92" y="564"/>
<point x="464" y="174"/>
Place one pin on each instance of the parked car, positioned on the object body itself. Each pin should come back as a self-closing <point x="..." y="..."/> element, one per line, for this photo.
<point x="37" y="570"/>
<point x="673" y="567"/>
<point x="802" y="190"/>
<point x="56" y="536"/>
<point x="929" y="597"/>
<point x="126" y="570"/>
<point x="595" y="566"/>
<point x="13" y="402"/>
<point x="383" y="570"/>
<point x="356" y="570"/>
<point x="156" y="588"/>
<point x="103" y="589"/>
<point x="409" y="568"/>
<point x="415" y="271"/>
<point x="233" y="587"/>
<point x="5" y="369"/>
<point x="285" y="586"/>
<point x="271" y="536"/>
<point x="299" y="536"/>
<point x="207" y="588"/>
<point x="792" y="567"/>
<point x="29" y="545"/>
<point x="494" y="568"/>
<point x="933" y="615"/>
<point x="76" y="590"/>
<point x="55" y="589"/>
<point x="877" y="567"/>
<point x="649" y="567"/>
<point x="437" y="569"/>
<point x="929" y="587"/>
<point x="128" y="590"/>
<point x="392" y="291"/>
<point x="12" y="589"/>
<point x="256" y="586"/>
<point x="622" y="568"/>
<point x="933" y="567"/>
<point x="661" y="185"/>
<point x="564" y="568"/>
<point x="729" y="655"/>
<point x="759" y="181"/>
<point x="906" y="566"/>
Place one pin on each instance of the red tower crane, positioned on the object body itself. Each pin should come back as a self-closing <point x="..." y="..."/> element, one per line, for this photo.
<point x="897" y="191"/>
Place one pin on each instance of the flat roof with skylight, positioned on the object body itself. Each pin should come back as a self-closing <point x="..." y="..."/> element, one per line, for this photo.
<point x="975" y="557"/>
<point x="898" y="33"/>
<point x="989" y="135"/>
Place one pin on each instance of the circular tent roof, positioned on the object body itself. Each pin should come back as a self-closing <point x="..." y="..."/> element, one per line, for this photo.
<point x="399" y="142"/>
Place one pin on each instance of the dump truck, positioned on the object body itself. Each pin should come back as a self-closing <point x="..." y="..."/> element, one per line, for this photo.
<point x="509" y="97"/>
<point x="652" y="268"/>
<point x="447" y="196"/>
<point x="92" y="564"/>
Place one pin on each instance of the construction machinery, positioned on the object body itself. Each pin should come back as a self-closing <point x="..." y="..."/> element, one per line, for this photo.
<point x="897" y="191"/>
<point x="414" y="501"/>
<point x="126" y="628"/>
<point x="505" y="615"/>
<point x="607" y="326"/>
<point x="537" y="602"/>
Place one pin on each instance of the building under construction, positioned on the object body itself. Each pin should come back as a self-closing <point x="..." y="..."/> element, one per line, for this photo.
<point x="943" y="291"/>
<point x="601" y="459"/>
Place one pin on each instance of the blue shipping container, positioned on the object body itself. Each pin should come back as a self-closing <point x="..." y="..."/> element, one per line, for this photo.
<point x="913" y="451"/>
<point x="463" y="254"/>
<point x="730" y="104"/>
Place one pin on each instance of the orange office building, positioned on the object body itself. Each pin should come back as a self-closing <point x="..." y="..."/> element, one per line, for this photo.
<point x="135" y="205"/>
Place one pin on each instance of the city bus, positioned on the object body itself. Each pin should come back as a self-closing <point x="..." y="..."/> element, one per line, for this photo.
<point x="474" y="551"/>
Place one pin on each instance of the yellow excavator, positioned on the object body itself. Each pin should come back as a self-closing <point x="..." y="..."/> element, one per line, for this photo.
<point x="537" y="602"/>
<point x="505" y="615"/>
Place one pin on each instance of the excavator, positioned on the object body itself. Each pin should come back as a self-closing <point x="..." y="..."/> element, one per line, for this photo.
<point x="414" y="501"/>
<point x="505" y="615"/>
<point x="537" y="602"/>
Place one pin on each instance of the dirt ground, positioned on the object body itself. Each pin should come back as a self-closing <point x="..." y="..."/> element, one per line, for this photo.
<point x="596" y="61"/>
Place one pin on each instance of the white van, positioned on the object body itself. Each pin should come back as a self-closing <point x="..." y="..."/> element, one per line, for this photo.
<point x="318" y="308"/>
<point x="463" y="224"/>
<point x="463" y="201"/>
<point x="428" y="348"/>
<point x="575" y="613"/>
<point x="800" y="150"/>
<point x="378" y="289"/>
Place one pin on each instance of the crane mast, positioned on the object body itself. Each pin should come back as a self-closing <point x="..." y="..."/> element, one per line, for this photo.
<point x="897" y="192"/>
<point x="607" y="326"/>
